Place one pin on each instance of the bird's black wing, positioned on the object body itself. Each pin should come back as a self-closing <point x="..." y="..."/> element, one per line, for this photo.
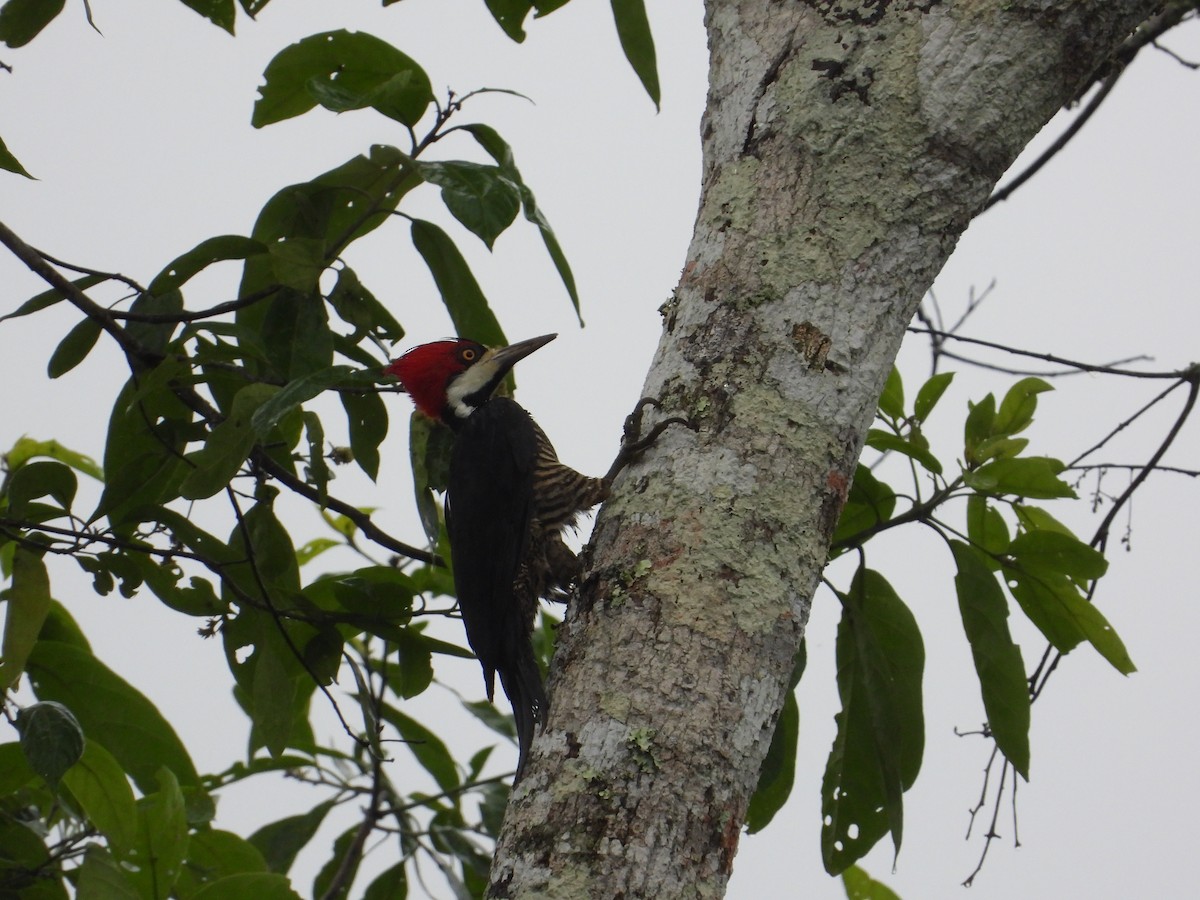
<point x="488" y="514"/>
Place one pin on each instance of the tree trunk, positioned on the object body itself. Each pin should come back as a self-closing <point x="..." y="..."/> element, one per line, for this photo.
<point x="846" y="147"/>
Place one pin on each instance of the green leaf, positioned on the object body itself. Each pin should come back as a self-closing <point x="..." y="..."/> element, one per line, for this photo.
<point x="426" y="746"/>
<point x="154" y="861"/>
<point x="98" y="784"/>
<point x="510" y="15"/>
<point x="217" y="860"/>
<point x="143" y="452"/>
<point x="15" y="772"/>
<point x="357" y="306"/>
<point x="296" y="335"/>
<point x="883" y="440"/>
<point x="27" y="448"/>
<point x="301" y="390"/>
<point x="24" y="852"/>
<point x="778" y="771"/>
<point x="978" y="427"/>
<point x="28" y="605"/>
<point x="110" y="712"/>
<point x="998" y="660"/>
<point x="317" y="471"/>
<point x="248" y="886"/>
<point x="414" y="670"/>
<point x="43" y="478"/>
<point x="1052" y="552"/>
<point x="220" y="12"/>
<point x="51" y="739"/>
<point x="861" y="886"/>
<point x="280" y="842"/>
<point x="228" y="445"/>
<point x="891" y="401"/>
<point x="274" y="693"/>
<point x="1018" y="406"/>
<point x="881" y="729"/>
<point x="342" y="70"/>
<point x="999" y="447"/>
<point x="986" y="529"/>
<point x="429" y="445"/>
<point x="1055" y="606"/>
<point x="929" y="394"/>
<point x="481" y="197"/>
<point x="74" y="348"/>
<point x="367" y="418"/>
<point x="101" y="877"/>
<point x="22" y="20"/>
<point x="391" y="884"/>
<point x="10" y="163"/>
<point x="633" y="30"/>
<point x="40" y="301"/>
<point x="213" y="250"/>
<point x="870" y="502"/>
<point x="499" y="150"/>
<point x="1033" y="476"/>
<point x="460" y="291"/>
<point x="155" y="336"/>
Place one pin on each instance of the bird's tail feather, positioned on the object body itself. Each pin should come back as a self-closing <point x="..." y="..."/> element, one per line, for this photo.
<point x="522" y="683"/>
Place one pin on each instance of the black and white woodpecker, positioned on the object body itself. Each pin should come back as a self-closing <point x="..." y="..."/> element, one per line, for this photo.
<point x="508" y="502"/>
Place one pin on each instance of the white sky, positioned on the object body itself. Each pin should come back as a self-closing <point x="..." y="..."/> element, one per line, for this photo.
<point x="142" y="146"/>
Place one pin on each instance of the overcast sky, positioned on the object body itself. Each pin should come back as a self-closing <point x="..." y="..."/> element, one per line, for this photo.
<point x="142" y="147"/>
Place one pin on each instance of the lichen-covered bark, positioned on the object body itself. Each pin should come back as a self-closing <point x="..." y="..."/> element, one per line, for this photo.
<point x="846" y="147"/>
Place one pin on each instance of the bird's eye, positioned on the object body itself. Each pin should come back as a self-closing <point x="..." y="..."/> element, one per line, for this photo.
<point x="468" y="355"/>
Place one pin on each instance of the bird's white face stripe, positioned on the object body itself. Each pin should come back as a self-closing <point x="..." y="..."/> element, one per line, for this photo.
<point x="470" y="382"/>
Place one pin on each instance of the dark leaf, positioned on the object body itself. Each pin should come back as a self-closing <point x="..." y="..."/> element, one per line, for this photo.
<point x="342" y="70"/>
<point x="10" y="163"/>
<point x="74" y="348"/>
<point x="367" y="418"/>
<point x="29" y="601"/>
<point x="51" y="739"/>
<point x="214" y="250"/>
<point x="883" y="440"/>
<point x="861" y="886"/>
<point x="155" y="860"/>
<point x="869" y="503"/>
<point x="301" y="390"/>
<point x="481" y="197"/>
<point x="143" y="452"/>
<point x="978" y="427"/>
<point x="49" y="298"/>
<point x="357" y="306"/>
<point x="1033" y="476"/>
<point x="101" y="788"/>
<point x="279" y="842"/>
<point x="998" y="661"/>
<point x="429" y="444"/>
<point x="464" y="300"/>
<point x="227" y="446"/>
<point x="930" y="393"/>
<point x="1018" y="406"/>
<point x="318" y="470"/>
<point x="295" y="333"/>
<point x="986" y="529"/>
<point x="22" y="20"/>
<point x="111" y="712"/>
<point x="329" y="871"/>
<point x="891" y="401"/>
<point x="220" y="12"/>
<point x="633" y="30"/>
<point x="391" y="884"/>
<point x="1052" y="552"/>
<point x="248" y="886"/>
<point x="426" y="746"/>
<point x="510" y="15"/>
<point x="500" y="151"/>
<point x="42" y="478"/>
<point x="778" y="771"/>
<point x="881" y="729"/>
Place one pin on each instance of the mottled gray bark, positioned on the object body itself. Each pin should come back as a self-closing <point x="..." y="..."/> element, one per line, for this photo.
<point x="846" y="147"/>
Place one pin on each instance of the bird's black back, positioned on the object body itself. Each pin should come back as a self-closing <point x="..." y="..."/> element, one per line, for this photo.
<point x="489" y="508"/>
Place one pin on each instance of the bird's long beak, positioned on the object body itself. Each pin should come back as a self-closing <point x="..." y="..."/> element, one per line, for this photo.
<point x="506" y="357"/>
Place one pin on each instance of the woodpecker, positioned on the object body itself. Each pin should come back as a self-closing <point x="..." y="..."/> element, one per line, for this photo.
<point x="508" y="501"/>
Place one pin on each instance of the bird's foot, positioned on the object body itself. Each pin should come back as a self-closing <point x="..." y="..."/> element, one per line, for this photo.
<point x="634" y="443"/>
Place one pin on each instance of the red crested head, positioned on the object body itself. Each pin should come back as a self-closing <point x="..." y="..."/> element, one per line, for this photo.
<point x="449" y="379"/>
